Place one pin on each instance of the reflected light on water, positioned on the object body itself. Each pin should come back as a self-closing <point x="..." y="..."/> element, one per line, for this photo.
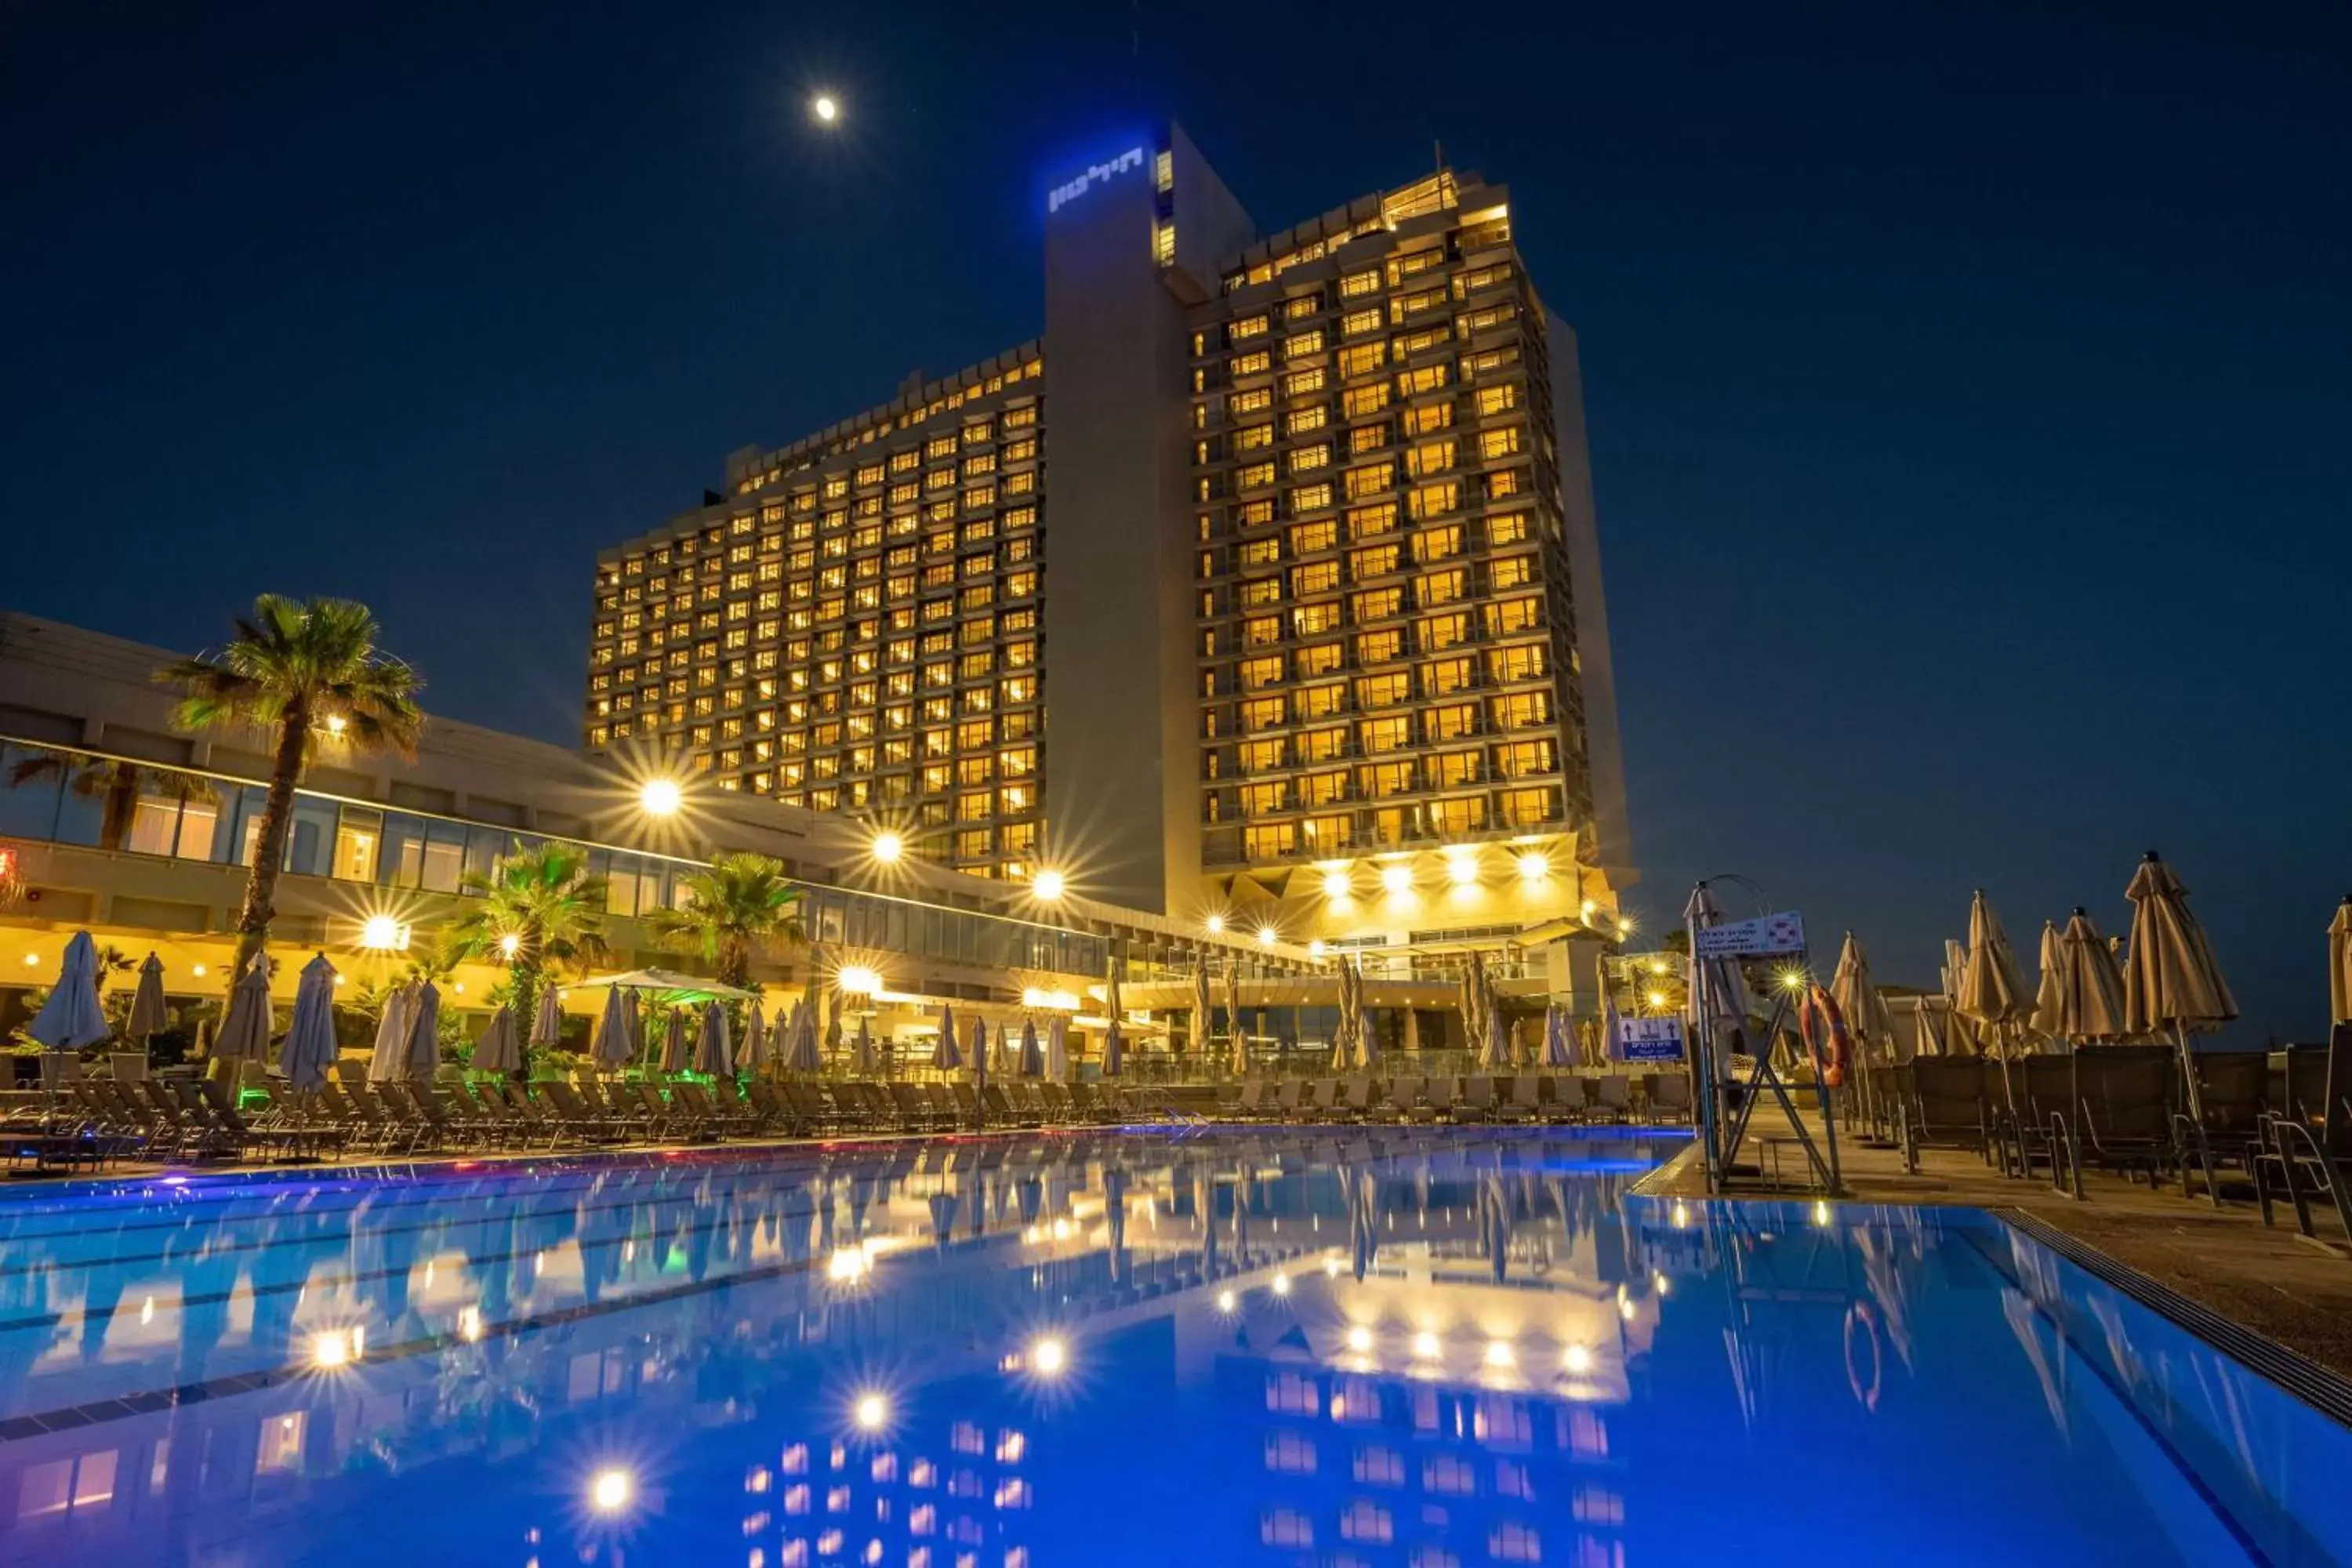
<point x="611" y="1489"/>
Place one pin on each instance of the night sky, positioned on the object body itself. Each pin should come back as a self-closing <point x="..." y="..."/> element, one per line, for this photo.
<point x="1967" y="384"/>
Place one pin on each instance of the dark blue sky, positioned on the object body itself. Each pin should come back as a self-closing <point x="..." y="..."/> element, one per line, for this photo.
<point x="1967" y="384"/>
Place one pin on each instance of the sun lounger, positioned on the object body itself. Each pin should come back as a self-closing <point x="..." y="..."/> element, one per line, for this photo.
<point x="2128" y="1096"/>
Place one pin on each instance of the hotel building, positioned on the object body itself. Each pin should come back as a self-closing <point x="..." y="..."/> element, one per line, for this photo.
<point x="1325" y="649"/>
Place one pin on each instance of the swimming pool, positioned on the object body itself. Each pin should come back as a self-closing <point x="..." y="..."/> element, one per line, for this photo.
<point x="1416" y="1348"/>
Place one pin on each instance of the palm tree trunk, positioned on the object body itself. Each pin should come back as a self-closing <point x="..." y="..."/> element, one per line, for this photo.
<point x="269" y="852"/>
<point x="121" y="804"/>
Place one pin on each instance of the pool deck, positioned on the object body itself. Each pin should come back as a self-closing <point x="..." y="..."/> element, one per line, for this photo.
<point x="2269" y="1280"/>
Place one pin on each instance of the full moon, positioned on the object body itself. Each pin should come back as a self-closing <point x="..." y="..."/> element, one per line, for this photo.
<point x="825" y="107"/>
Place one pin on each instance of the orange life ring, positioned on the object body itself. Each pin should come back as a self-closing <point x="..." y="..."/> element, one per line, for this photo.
<point x="1867" y="1400"/>
<point x="1834" y="1049"/>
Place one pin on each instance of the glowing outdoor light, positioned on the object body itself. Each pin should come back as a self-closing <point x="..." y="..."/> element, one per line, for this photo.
<point x="1315" y="948"/>
<point x="32" y="960"/>
<point x="1359" y="1339"/>
<point x="660" y="797"/>
<point x="1577" y="1359"/>
<point x="1282" y="1284"/>
<point x="469" y="1323"/>
<point x="859" y="980"/>
<point x="1048" y="1356"/>
<point x="847" y="1263"/>
<point x="335" y="723"/>
<point x="1461" y="867"/>
<point x="1397" y="877"/>
<point x="1534" y="865"/>
<point x="510" y="944"/>
<point x="1049" y="885"/>
<point x="1225" y="1302"/>
<point x="1793" y="980"/>
<point x="338" y="1347"/>
<point x="610" y="1490"/>
<point x="871" y="1413"/>
<point x="1656" y="999"/>
<point x="825" y="107"/>
<point x="889" y="846"/>
<point x="1498" y="1352"/>
<point x="1586" y="909"/>
<point x="1338" y="885"/>
<point x="1267" y="935"/>
<point x="1425" y="1345"/>
<point x="383" y="933"/>
<point x="199" y="971"/>
<point x="1215" y="925"/>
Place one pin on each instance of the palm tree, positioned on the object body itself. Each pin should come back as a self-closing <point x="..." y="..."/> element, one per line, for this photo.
<point x="538" y="909"/>
<point x="308" y="671"/>
<point x="737" y="905"/>
<point x="115" y="783"/>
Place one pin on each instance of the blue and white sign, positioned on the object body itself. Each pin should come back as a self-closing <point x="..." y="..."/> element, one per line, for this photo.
<point x="1762" y="937"/>
<point x="1649" y="1039"/>
<point x="1095" y="175"/>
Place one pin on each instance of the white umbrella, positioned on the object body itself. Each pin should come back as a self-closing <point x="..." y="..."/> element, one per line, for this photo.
<point x="1033" y="1060"/>
<point x="945" y="1057"/>
<point x="1412" y="1031"/>
<point x="614" y="1044"/>
<point x="2339" y="963"/>
<point x="309" y="1048"/>
<point x="388" y="1059"/>
<point x="496" y="1050"/>
<point x="755" y="1050"/>
<point x="2172" y="984"/>
<point x="1057" y="1048"/>
<point x="72" y="1017"/>
<point x="1961" y="1036"/>
<point x="1498" y="1041"/>
<point x="1114" y="1050"/>
<point x="1201" y="1018"/>
<point x="975" y="1045"/>
<point x="2044" y="1019"/>
<point x="1718" y="992"/>
<point x="713" y="1053"/>
<point x="244" y="1027"/>
<point x="2090" y="986"/>
<point x="1992" y="990"/>
<point x="1367" y="1043"/>
<point x="147" y="1018"/>
<point x="547" y="1023"/>
<point x="1609" y="1020"/>
<point x="425" y="1034"/>
<point x="1233" y="1003"/>
<point x="1556" y="1053"/>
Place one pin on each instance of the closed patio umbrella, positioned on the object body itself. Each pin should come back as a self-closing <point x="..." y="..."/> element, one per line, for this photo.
<point x="2045" y="991"/>
<point x="1057" y="1048"/>
<point x="309" y="1048"/>
<point x="1234" y="1004"/>
<point x="1863" y="1006"/>
<point x="832" y="1030"/>
<point x="804" y="1058"/>
<point x="861" y="1057"/>
<point x="1412" y="1031"/>
<point x="1961" y="1036"/>
<point x="1992" y="989"/>
<point x="496" y="1050"/>
<point x="1555" y="1051"/>
<point x="1608" y="1031"/>
<point x="147" y="1018"/>
<point x="2339" y="963"/>
<point x="1718" y="992"/>
<point x="945" y="1056"/>
<point x="1114" y="1057"/>
<point x="245" y="1027"/>
<point x="713" y="1052"/>
<point x="1498" y="1040"/>
<point x="975" y="1046"/>
<point x="614" y="1044"/>
<point x="1368" y="1042"/>
<point x="2090" y="986"/>
<point x="1033" y="1060"/>
<point x="1200" y="1011"/>
<point x="425" y="1034"/>
<point x="546" y="1022"/>
<point x="2172" y="984"/>
<point x="388" y="1059"/>
<point x="1343" y="1033"/>
<point x="755" y="1051"/>
<point x="676" y="1040"/>
<point x="72" y="1017"/>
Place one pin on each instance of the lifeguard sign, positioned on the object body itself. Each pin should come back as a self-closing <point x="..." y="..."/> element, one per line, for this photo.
<point x="1766" y="936"/>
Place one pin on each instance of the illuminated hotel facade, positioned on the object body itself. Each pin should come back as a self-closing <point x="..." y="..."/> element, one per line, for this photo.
<point x="1324" y="648"/>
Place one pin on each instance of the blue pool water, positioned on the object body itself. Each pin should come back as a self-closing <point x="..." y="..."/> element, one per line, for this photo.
<point x="1419" y="1348"/>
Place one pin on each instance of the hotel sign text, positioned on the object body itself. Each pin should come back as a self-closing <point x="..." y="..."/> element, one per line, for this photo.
<point x="1096" y="174"/>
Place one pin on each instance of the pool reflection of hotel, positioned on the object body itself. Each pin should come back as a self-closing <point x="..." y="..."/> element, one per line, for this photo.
<point x="1323" y="665"/>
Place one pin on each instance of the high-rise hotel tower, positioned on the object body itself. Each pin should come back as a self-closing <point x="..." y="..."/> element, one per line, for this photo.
<point x="1262" y="588"/>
